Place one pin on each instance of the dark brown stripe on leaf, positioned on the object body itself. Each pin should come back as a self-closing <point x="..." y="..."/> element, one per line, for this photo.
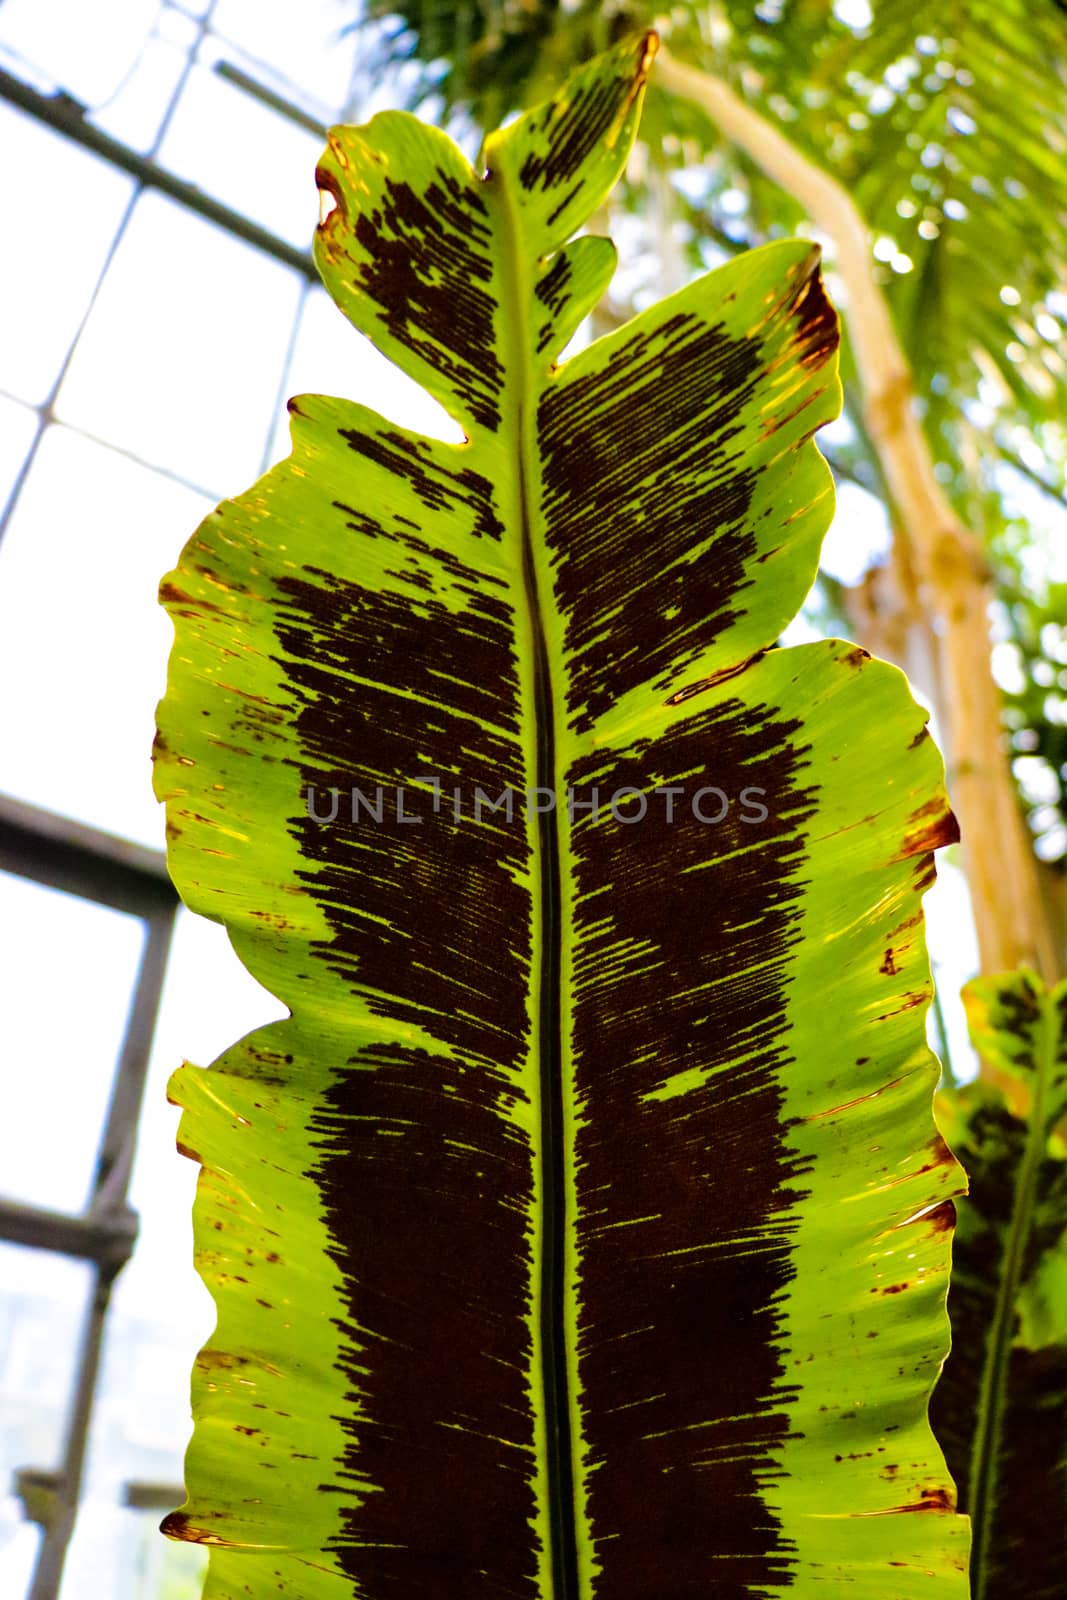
<point x="418" y="462"/>
<point x="388" y="888"/>
<point x="423" y="258"/>
<point x="427" y="1192"/>
<point x="576" y="132"/>
<point x="649" y="447"/>
<point x="425" y="1181"/>
<point x="578" y="124"/>
<point x="553" y="291"/>
<point x="569" y="286"/>
<point x="681" y="1251"/>
<point x="636" y="452"/>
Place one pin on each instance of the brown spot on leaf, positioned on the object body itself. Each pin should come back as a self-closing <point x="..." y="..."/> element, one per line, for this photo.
<point x="178" y="1526"/>
<point x="942" y="1217"/>
<point x="773" y="423"/>
<point x="932" y="1499"/>
<point x="721" y="676"/>
<point x="908" y="1003"/>
<point x="942" y="1154"/>
<point x="930" y="827"/>
<point x="847" y="1105"/>
<point x="274" y="919"/>
<point x="171" y="595"/>
<point x="224" y="1360"/>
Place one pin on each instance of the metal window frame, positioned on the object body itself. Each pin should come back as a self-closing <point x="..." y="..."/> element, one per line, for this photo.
<point x="65" y="115"/>
<point x="62" y="854"/>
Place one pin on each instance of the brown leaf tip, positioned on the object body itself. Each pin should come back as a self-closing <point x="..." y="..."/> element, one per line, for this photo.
<point x="649" y="48"/>
<point x="818" y="334"/>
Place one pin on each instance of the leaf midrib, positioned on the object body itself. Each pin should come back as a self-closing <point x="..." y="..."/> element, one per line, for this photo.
<point x="546" y="972"/>
<point x="985" y="1451"/>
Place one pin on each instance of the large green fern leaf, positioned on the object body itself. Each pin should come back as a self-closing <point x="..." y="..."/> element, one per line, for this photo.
<point x="582" y="1231"/>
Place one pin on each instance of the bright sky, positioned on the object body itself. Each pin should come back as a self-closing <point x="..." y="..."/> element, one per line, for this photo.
<point x="173" y="396"/>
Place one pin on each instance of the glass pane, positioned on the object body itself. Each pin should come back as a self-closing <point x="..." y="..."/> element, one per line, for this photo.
<point x="80" y="51"/>
<point x="117" y="1554"/>
<point x="213" y="128"/>
<point x="134" y="112"/>
<point x="69" y="970"/>
<point x="19" y="1543"/>
<point x="209" y="1002"/>
<point x="177" y="26"/>
<point x="331" y="357"/>
<point x="953" y="949"/>
<point x="303" y="43"/>
<point x="18" y="424"/>
<point x="42" y="1307"/>
<point x="182" y="355"/>
<point x="44" y="293"/>
<point x="83" y="644"/>
<point x="858" y="537"/>
<point x="158" y="1568"/>
<point x="161" y="1313"/>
